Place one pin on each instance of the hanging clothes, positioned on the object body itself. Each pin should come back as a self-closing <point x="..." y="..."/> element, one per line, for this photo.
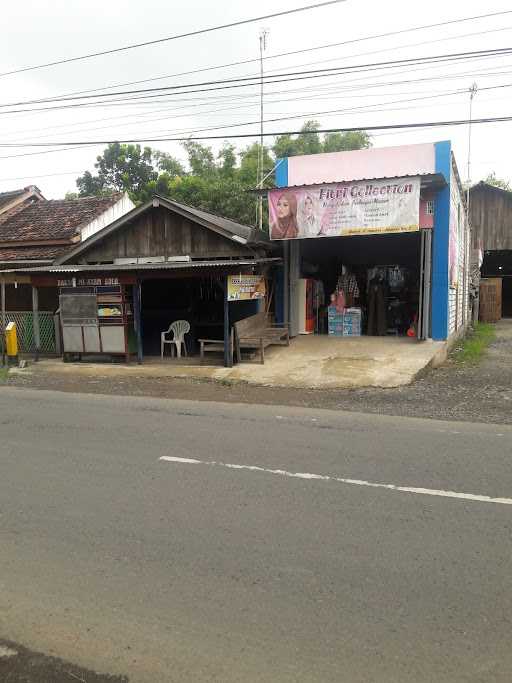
<point x="347" y="284"/>
<point x="377" y="323"/>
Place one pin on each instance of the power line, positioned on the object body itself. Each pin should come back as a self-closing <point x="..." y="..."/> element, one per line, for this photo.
<point x="46" y="175"/>
<point x="248" y="105"/>
<point x="342" y="129"/>
<point x="295" y="52"/>
<point x="175" y="37"/>
<point x="338" y="89"/>
<point x="148" y="93"/>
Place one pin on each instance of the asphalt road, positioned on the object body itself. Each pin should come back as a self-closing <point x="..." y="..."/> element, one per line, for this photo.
<point x="168" y="570"/>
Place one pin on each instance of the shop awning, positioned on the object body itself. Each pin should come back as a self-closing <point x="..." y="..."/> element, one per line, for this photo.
<point x="220" y="264"/>
<point x="431" y="181"/>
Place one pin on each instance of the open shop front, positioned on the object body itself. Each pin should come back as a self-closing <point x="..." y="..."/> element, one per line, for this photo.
<point x="361" y="285"/>
<point x="358" y="257"/>
<point x="164" y="311"/>
<point x="154" y="283"/>
<point x="203" y="301"/>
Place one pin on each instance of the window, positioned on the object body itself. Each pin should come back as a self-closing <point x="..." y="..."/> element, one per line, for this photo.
<point x="429" y="207"/>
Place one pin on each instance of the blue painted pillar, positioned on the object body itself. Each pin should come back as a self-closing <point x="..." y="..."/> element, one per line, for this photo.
<point x="440" y="247"/>
<point x="282" y="172"/>
<point x="281" y="178"/>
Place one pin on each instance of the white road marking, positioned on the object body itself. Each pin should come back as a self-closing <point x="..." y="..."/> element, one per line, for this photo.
<point x="473" y="497"/>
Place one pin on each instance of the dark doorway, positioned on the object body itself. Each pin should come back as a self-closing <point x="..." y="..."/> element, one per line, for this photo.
<point x="197" y="300"/>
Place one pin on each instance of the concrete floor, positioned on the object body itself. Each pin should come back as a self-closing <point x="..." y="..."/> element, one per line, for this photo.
<point x="318" y="362"/>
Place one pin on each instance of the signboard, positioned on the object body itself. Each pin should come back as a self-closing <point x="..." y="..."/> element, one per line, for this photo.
<point x="246" y="287"/>
<point x="60" y="280"/>
<point x="337" y="209"/>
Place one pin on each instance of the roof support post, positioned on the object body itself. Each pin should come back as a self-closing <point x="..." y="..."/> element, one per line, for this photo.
<point x="2" y="285"/>
<point x="228" y="357"/>
<point x="35" y="319"/>
<point x="137" y="319"/>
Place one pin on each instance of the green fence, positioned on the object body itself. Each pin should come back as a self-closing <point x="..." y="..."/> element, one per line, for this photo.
<point x="25" y="328"/>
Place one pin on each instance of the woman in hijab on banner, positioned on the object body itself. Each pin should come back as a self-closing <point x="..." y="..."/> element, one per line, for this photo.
<point x="309" y="219"/>
<point x="284" y="226"/>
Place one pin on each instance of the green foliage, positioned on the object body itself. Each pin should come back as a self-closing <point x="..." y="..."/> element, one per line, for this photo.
<point x="475" y="344"/>
<point x="219" y="184"/>
<point x="168" y="164"/>
<point x="227" y="160"/>
<point x="121" y="168"/>
<point x="344" y="142"/>
<point x="308" y="141"/>
<point x="248" y="172"/>
<point x="498" y="182"/>
<point x="200" y="158"/>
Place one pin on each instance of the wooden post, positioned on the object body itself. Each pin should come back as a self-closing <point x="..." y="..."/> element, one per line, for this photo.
<point x="286" y="284"/>
<point x="3" y="321"/>
<point x="35" y="312"/>
<point x="228" y="358"/>
<point x="137" y="320"/>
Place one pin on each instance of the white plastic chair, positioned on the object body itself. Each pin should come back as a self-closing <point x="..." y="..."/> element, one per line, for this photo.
<point x="179" y="329"/>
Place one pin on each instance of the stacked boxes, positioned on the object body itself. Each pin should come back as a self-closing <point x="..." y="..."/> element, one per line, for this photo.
<point x="335" y="321"/>
<point x="352" y="322"/>
<point x="347" y="324"/>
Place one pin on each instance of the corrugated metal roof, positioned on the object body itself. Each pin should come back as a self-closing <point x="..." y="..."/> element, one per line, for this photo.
<point x="426" y="179"/>
<point x="115" y="267"/>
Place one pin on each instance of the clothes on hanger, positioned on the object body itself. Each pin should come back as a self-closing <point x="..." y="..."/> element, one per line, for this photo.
<point x="318" y="294"/>
<point x="347" y="284"/>
<point x="377" y="323"/>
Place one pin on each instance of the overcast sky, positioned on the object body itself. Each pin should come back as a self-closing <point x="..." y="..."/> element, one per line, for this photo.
<point x="34" y="32"/>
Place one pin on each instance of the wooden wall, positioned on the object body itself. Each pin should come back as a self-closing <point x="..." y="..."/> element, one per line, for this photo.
<point x="491" y="218"/>
<point x="159" y="232"/>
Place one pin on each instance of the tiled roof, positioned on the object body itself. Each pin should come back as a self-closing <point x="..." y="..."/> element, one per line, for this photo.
<point x="53" y="219"/>
<point x="48" y="253"/>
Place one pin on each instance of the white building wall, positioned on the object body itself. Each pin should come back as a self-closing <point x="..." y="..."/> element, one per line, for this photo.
<point x="120" y="208"/>
<point x="459" y="266"/>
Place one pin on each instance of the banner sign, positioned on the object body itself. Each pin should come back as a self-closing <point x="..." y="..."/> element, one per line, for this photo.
<point x="246" y="287"/>
<point x="338" y="209"/>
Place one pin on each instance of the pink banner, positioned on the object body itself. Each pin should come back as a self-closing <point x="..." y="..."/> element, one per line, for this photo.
<point x="337" y="209"/>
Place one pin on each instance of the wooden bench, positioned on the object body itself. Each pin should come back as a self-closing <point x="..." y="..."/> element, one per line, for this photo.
<point x="214" y="346"/>
<point x="257" y="332"/>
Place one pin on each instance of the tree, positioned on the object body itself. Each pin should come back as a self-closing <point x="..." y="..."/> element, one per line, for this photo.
<point x="249" y="165"/>
<point x="168" y="164"/>
<point x="200" y="158"/>
<point x="343" y="142"/>
<point x="227" y="160"/>
<point x="308" y="141"/>
<point x="498" y="182"/>
<point x="216" y="182"/>
<point x="121" y="168"/>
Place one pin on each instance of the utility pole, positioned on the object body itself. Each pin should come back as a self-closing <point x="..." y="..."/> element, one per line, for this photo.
<point x="261" y="156"/>
<point x="472" y="93"/>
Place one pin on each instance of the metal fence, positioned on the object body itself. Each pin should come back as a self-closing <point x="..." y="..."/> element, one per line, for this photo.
<point x="25" y="328"/>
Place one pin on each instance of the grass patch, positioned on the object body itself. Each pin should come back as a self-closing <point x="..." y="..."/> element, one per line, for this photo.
<point x="474" y="345"/>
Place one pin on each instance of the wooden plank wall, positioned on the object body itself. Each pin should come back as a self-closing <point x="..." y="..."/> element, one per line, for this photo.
<point x="491" y="218"/>
<point x="161" y="233"/>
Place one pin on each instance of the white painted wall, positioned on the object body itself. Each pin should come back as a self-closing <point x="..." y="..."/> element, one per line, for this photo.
<point x="120" y="208"/>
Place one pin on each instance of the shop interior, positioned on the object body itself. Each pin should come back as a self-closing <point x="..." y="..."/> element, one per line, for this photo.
<point x="361" y="285"/>
<point x="197" y="300"/>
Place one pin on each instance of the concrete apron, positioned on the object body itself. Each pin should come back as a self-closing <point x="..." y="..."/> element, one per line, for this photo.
<point x="311" y="362"/>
